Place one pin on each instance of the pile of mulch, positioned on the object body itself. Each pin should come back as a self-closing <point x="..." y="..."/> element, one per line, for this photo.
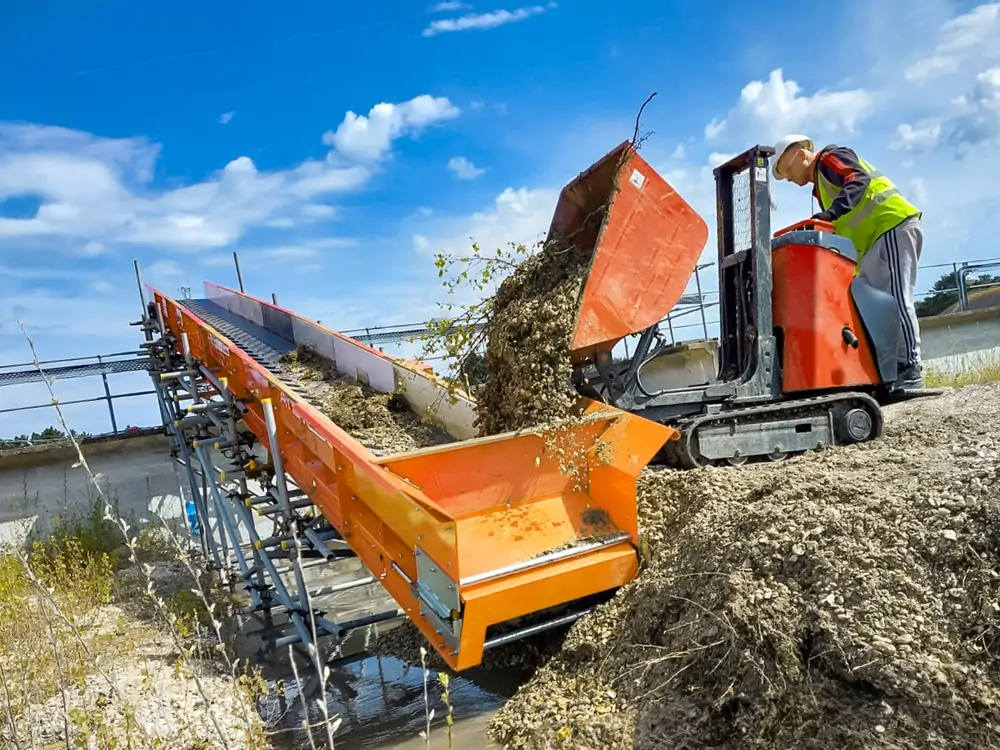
<point x="844" y="599"/>
<point x="382" y="422"/>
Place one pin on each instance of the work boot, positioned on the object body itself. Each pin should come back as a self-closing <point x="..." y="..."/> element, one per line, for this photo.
<point x="909" y="378"/>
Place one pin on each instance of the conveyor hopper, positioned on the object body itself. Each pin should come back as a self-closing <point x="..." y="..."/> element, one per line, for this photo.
<point x="464" y="536"/>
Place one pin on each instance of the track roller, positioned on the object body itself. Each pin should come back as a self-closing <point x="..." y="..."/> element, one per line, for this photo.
<point x="775" y="431"/>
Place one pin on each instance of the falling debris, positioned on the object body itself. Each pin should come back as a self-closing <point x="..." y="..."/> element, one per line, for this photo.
<point x="529" y="334"/>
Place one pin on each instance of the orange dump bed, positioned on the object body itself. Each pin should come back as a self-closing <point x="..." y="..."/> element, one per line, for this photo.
<point x="645" y="249"/>
<point x="463" y="536"/>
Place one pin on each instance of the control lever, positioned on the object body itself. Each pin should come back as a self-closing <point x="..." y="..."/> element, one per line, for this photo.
<point x="849" y="338"/>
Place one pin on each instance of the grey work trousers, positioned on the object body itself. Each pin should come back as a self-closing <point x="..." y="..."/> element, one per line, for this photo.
<point x="891" y="265"/>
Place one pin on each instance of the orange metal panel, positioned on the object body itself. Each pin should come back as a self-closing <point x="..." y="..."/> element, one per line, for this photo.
<point x="811" y="305"/>
<point x="471" y="508"/>
<point x="645" y="249"/>
<point x="558" y="583"/>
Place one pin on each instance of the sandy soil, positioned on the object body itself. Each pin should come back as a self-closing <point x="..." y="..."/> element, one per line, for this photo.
<point x="844" y="599"/>
<point x="137" y="692"/>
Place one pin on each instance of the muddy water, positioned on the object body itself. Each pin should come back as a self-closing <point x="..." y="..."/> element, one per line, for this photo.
<point x="380" y="700"/>
<point x="381" y="704"/>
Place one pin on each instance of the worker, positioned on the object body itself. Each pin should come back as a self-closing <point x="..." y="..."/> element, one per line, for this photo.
<point x="866" y="208"/>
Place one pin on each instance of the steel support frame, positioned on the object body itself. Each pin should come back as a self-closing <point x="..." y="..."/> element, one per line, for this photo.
<point x="202" y="420"/>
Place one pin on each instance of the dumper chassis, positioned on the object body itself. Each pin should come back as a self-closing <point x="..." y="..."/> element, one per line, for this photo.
<point x="749" y="413"/>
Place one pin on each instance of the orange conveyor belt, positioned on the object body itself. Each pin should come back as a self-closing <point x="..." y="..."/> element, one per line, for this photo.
<point x="457" y="534"/>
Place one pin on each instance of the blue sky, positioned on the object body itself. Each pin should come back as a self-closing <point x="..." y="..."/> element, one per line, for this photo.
<point x="337" y="148"/>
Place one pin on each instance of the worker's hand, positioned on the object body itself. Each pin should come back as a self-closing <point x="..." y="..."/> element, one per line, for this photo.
<point x="823" y="216"/>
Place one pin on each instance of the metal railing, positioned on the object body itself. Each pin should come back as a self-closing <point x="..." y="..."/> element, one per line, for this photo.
<point x="962" y="272"/>
<point x="699" y="304"/>
<point x="101" y="365"/>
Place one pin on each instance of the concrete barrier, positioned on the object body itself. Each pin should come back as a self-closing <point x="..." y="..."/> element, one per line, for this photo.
<point x="955" y="342"/>
<point x="42" y="482"/>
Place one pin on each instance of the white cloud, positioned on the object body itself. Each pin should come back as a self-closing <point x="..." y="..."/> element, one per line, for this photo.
<point x="977" y="122"/>
<point x="919" y="187"/>
<point x="54" y="313"/>
<point x="966" y="36"/>
<point x="518" y="215"/>
<point x="914" y="138"/>
<point x="969" y="121"/>
<point x="769" y="109"/>
<point x="489" y="20"/>
<point x="92" y="249"/>
<point x="714" y="128"/>
<point x="448" y="5"/>
<point x="225" y="117"/>
<point x="717" y="160"/>
<point x="318" y="211"/>
<point x="97" y="190"/>
<point x="463" y="168"/>
<point x="311" y="251"/>
<point x="104" y="287"/>
<point x="369" y="137"/>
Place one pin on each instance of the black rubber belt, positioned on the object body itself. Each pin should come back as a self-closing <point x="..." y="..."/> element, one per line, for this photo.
<point x="264" y="355"/>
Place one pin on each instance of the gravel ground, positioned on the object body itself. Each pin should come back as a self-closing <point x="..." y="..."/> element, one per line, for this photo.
<point x="135" y="691"/>
<point x="379" y="421"/>
<point x="844" y="599"/>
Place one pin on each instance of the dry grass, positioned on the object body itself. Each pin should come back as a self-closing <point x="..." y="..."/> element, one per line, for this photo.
<point x="84" y="661"/>
<point x="112" y="637"/>
<point x="979" y="368"/>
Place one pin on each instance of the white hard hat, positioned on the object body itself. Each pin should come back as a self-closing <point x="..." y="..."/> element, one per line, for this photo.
<point x="786" y="143"/>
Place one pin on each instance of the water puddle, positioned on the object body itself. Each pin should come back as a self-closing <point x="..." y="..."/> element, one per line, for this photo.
<point x="379" y="699"/>
<point x="381" y="702"/>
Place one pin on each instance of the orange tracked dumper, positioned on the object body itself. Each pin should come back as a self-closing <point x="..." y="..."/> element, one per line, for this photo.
<point x="806" y="348"/>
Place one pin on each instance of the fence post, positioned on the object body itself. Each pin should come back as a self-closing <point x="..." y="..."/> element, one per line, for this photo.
<point x="701" y="304"/>
<point x="239" y="273"/>
<point x="107" y="394"/>
<point x="963" y="290"/>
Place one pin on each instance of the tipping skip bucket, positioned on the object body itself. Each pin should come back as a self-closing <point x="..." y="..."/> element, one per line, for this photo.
<point x="524" y="522"/>
<point x="645" y="249"/>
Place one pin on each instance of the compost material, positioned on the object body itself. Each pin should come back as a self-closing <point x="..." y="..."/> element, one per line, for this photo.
<point x="844" y="599"/>
<point x="381" y="422"/>
<point x="530" y="329"/>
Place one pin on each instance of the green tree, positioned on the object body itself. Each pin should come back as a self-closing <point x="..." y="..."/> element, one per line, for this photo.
<point x="944" y="293"/>
<point x="48" y="435"/>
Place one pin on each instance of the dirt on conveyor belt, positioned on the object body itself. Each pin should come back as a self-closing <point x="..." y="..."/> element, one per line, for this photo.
<point x="848" y="598"/>
<point x="381" y="422"/>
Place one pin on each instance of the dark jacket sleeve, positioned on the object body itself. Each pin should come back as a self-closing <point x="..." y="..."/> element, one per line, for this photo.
<point x="841" y="168"/>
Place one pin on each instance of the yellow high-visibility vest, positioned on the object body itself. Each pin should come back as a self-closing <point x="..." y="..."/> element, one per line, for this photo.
<point x="881" y="208"/>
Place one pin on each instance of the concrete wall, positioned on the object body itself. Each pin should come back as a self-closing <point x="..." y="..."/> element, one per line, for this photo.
<point x="956" y="341"/>
<point x="39" y="483"/>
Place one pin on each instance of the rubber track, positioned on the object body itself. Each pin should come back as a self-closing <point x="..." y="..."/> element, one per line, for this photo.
<point x="679" y="451"/>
